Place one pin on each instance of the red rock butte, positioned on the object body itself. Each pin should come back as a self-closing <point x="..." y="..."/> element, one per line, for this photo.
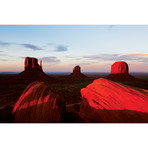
<point x="77" y="73"/>
<point x="119" y="67"/>
<point x="33" y="72"/>
<point x="108" y="101"/>
<point x="120" y="71"/>
<point x="77" y="69"/>
<point x="32" y="63"/>
<point x="39" y="104"/>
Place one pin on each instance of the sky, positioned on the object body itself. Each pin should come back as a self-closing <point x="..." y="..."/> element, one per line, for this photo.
<point x="61" y="47"/>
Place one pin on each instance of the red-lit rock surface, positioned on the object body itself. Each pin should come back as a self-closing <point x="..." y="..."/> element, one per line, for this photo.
<point x="32" y="63"/>
<point x="35" y="64"/>
<point x="77" y="73"/>
<point x="119" y="67"/>
<point x="119" y="72"/>
<point x="38" y="103"/>
<point x="107" y="101"/>
<point x="33" y="72"/>
<point x="27" y="63"/>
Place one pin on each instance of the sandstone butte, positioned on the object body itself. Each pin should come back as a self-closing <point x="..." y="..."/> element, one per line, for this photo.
<point x="108" y="101"/>
<point x="120" y="71"/>
<point x="77" y="73"/>
<point x="39" y="104"/>
<point x="32" y="72"/>
<point x="32" y="64"/>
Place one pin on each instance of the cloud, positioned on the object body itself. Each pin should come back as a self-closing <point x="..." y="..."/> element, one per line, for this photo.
<point x="3" y="60"/>
<point x="31" y="46"/>
<point x="50" y="60"/>
<point x="107" y="57"/>
<point x="58" y="48"/>
<point x="22" y="57"/>
<point x="5" y="43"/>
<point x="61" y="48"/>
<point x="26" y="45"/>
<point x="135" y="57"/>
<point x="138" y="57"/>
<point x="138" y="54"/>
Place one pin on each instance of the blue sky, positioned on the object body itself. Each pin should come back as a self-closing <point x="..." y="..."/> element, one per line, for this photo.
<point x="61" y="47"/>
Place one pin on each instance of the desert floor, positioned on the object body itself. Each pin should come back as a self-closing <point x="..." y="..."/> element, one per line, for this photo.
<point x="69" y="88"/>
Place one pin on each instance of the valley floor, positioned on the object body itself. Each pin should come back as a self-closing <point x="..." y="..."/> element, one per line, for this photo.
<point x="67" y="87"/>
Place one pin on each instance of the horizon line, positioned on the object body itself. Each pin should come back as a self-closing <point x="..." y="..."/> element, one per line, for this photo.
<point x="71" y="71"/>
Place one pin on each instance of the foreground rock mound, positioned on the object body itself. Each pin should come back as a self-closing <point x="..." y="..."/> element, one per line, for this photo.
<point x="38" y="103"/>
<point x="120" y="71"/>
<point x="33" y="72"/>
<point x="77" y="73"/>
<point x="107" y="101"/>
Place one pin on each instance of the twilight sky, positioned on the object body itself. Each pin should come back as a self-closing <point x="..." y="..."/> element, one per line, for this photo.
<point x="61" y="47"/>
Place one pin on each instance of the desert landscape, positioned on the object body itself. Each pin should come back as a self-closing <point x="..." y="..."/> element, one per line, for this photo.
<point x="33" y="96"/>
<point x="73" y="74"/>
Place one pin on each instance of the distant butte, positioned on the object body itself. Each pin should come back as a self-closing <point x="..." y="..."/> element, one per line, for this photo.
<point x="119" y="67"/>
<point x="32" y="64"/>
<point x="119" y="72"/>
<point x="77" y="73"/>
<point x="33" y="72"/>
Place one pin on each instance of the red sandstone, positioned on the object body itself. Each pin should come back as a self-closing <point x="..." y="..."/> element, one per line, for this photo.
<point x="107" y="101"/>
<point x="120" y="72"/>
<point x="119" y="67"/>
<point x="38" y="103"/>
<point x="32" y="63"/>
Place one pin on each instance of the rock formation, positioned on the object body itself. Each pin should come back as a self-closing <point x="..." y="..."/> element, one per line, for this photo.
<point x="32" y="63"/>
<point x="77" y="69"/>
<point x="77" y="73"/>
<point x="107" y="101"/>
<point x="120" y="71"/>
<point x="119" y="67"/>
<point x="27" y="63"/>
<point x="39" y="104"/>
<point x="33" y="72"/>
